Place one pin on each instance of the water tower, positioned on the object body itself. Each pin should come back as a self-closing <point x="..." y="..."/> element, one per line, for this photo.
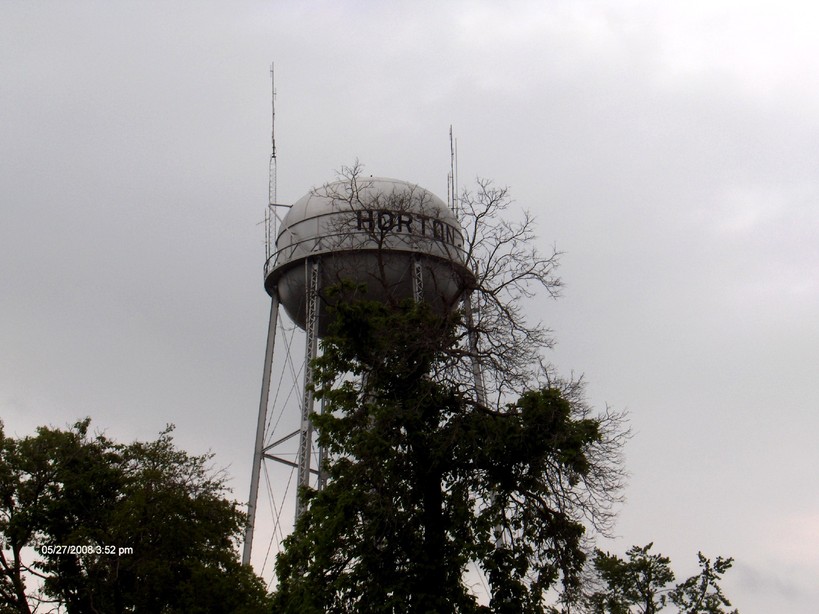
<point x="393" y="239"/>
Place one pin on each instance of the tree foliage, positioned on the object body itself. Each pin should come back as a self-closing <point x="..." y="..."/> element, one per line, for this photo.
<point x="448" y="443"/>
<point x="143" y="527"/>
<point x="451" y="446"/>
<point x="422" y="481"/>
<point x="643" y="583"/>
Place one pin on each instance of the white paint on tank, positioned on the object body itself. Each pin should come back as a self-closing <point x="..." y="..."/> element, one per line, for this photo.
<point x="370" y="231"/>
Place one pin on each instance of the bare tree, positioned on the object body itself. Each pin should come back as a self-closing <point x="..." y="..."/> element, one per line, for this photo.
<point x="505" y="268"/>
<point x="508" y="268"/>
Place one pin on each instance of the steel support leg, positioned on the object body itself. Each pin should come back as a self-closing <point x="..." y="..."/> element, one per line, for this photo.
<point x="417" y="279"/>
<point x="311" y="328"/>
<point x="477" y="374"/>
<point x="258" y="450"/>
<point x="480" y="387"/>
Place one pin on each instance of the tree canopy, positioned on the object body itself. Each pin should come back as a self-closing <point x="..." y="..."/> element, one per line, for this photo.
<point x="91" y="525"/>
<point x="448" y="444"/>
<point x="452" y="447"/>
<point x="423" y="481"/>
<point x="643" y="583"/>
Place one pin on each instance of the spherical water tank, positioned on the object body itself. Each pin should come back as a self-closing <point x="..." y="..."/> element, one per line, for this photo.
<point x="374" y="232"/>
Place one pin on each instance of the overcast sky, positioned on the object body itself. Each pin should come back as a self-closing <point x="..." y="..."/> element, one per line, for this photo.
<point x="669" y="149"/>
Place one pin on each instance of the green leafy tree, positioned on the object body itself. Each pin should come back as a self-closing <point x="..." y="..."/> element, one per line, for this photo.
<point x="643" y="583"/>
<point x="146" y="527"/>
<point x="702" y="592"/>
<point x="422" y="480"/>
<point x="639" y="582"/>
<point x="448" y="442"/>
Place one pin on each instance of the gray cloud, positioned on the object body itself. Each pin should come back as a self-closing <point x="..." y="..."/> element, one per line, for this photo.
<point x="669" y="151"/>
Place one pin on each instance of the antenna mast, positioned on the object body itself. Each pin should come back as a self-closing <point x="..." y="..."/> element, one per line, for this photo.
<point x="453" y="174"/>
<point x="270" y="216"/>
<point x="259" y="449"/>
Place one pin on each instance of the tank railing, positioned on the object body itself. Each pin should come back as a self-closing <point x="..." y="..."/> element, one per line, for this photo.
<point x="428" y="221"/>
<point x="344" y="241"/>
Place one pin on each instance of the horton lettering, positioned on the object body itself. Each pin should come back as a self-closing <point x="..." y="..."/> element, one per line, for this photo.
<point x="383" y="220"/>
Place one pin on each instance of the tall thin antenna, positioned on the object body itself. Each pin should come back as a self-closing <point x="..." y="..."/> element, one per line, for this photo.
<point x="273" y="136"/>
<point x="270" y="216"/>
<point x="453" y="173"/>
<point x="259" y="449"/>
